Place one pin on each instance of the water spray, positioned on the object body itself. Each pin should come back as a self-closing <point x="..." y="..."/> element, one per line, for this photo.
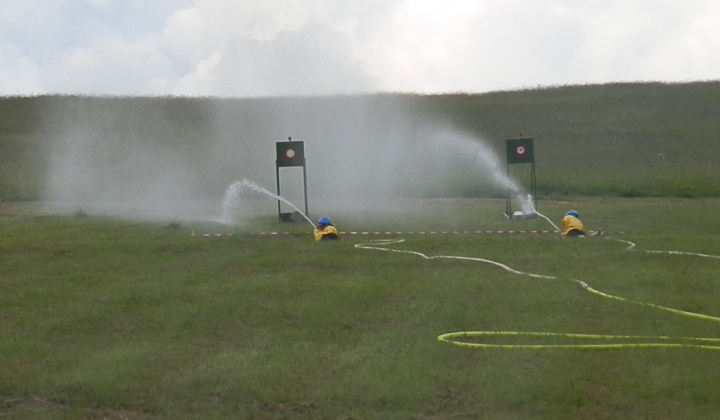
<point x="487" y="160"/>
<point x="238" y="189"/>
<point x="529" y="208"/>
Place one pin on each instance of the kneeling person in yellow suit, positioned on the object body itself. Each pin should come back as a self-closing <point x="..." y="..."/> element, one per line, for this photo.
<point x="572" y="227"/>
<point x="325" y="231"/>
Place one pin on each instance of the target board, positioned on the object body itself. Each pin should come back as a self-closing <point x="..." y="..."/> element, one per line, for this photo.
<point x="290" y="153"/>
<point x="520" y="151"/>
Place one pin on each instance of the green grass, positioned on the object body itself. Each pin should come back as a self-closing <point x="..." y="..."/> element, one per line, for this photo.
<point x="110" y="319"/>
<point x="619" y="140"/>
<point x="102" y="318"/>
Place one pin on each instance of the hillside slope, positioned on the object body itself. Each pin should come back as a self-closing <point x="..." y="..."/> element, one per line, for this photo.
<point x="639" y="139"/>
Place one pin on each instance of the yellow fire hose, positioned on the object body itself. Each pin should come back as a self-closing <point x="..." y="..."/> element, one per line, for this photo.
<point x="602" y="342"/>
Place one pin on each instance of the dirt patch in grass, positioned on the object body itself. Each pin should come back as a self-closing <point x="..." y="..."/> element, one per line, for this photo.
<point x="285" y="410"/>
<point x="20" y="404"/>
<point x="21" y="407"/>
<point x="22" y="209"/>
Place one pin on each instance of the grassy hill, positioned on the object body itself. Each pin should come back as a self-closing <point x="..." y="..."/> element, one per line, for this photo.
<point x="639" y="139"/>
<point x="642" y="139"/>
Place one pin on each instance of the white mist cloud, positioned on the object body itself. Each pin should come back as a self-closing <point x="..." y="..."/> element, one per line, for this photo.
<point x="278" y="47"/>
<point x="122" y="156"/>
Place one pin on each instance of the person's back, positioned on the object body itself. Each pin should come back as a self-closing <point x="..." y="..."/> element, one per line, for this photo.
<point x="325" y="231"/>
<point x="571" y="225"/>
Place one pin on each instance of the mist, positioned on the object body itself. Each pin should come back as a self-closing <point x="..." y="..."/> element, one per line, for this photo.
<point x="174" y="158"/>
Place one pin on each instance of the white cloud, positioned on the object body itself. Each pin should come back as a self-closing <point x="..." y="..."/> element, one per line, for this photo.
<point x="312" y="61"/>
<point x="114" y="66"/>
<point x="19" y="74"/>
<point x="273" y="47"/>
<point x="249" y="48"/>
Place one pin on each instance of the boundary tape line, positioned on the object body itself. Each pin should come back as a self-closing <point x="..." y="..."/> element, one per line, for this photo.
<point x="385" y="233"/>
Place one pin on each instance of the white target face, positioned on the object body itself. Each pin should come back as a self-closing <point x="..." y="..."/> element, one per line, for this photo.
<point x="520" y="151"/>
<point x="290" y="154"/>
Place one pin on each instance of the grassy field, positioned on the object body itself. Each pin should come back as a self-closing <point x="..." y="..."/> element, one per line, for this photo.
<point x="127" y="320"/>
<point x="105" y="317"/>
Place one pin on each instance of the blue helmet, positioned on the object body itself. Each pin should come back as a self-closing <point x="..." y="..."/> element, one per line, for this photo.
<point x="572" y="213"/>
<point x="324" y="221"/>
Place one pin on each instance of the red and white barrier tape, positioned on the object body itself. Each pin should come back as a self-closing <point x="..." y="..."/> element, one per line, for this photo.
<point x="454" y="232"/>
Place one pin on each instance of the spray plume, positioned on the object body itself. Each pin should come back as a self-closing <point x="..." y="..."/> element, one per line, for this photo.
<point x="238" y="191"/>
<point x="173" y="158"/>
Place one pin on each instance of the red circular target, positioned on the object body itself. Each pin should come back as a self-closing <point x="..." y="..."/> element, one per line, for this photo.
<point x="290" y="154"/>
<point x="521" y="151"/>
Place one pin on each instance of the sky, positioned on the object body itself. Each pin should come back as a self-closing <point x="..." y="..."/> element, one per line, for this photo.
<point x="251" y="48"/>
